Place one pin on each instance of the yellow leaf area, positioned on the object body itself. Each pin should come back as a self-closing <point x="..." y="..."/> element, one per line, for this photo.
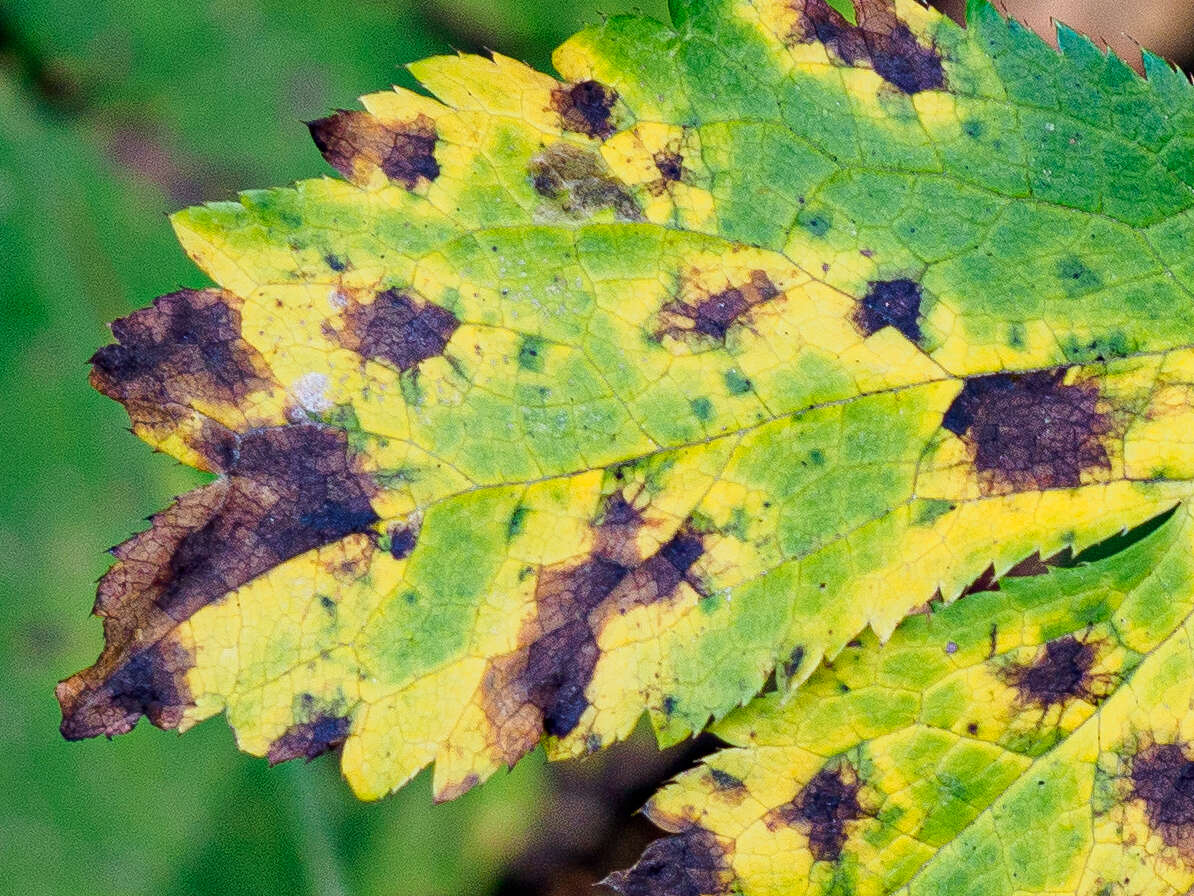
<point x="584" y="398"/>
<point x="1031" y="739"/>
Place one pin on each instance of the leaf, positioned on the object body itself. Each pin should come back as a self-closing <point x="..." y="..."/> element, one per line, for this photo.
<point x="582" y="398"/>
<point x="1029" y="739"/>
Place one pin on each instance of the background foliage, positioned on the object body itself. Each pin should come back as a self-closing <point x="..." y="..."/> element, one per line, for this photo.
<point x="113" y="113"/>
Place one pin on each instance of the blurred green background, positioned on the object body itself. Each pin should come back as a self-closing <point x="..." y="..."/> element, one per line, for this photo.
<point x="113" y="113"/>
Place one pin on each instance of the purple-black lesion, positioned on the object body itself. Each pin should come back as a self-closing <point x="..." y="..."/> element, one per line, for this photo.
<point x="825" y="810"/>
<point x="1032" y="431"/>
<point x="1161" y="778"/>
<point x="306" y="740"/>
<point x="1061" y="671"/>
<point x="353" y="142"/>
<point x="585" y="108"/>
<point x="710" y="318"/>
<point x="891" y="303"/>
<point x="879" y="40"/>
<point x="542" y="687"/>
<point x="399" y="329"/>
<point x="690" y="863"/>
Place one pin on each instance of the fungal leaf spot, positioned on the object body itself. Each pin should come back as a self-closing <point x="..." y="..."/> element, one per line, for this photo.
<point x="690" y="863"/>
<point x="693" y="384"/>
<point x="402" y="541"/>
<point x="1031" y="431"/>
<point x="879" y="40"/>
<point x="670" y="165"/>
<point x="711" y="317"/>
<point x="922" y="744"/>
<point x="397" y="329"/>
<point x="307" y="740"/>
<point x="577" y="182"/>
<point x="541" y="688"/>
<point x="824" y="809"/>
<point x="1060" y="672"/>
<point x="891" y="303"/>
<point x="187" y="348"/>
<point x="286" y="491"/>
<point x="585" y="108"/>
<point x="1162" y="778"/>
<point x="356" y="143"/>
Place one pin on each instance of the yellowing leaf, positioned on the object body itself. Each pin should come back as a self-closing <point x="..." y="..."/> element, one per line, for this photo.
<point x="588" y="397"/>
<point x="1030" y="739"/>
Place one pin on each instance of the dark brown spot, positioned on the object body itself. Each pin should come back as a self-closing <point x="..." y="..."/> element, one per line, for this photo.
<point x="152" y="683"/>
<point x="185" y="348"/>
<point x="1031" y="431"/>
<point x="397" y="329"/>
<point x="459" y="789"/>
<point x="662" y="573"/>
<point x="891" y="303"/>
<point x="356" y="143"/>
<point x="289" y="490"/>
<point x="691" y="863"/>
<point x="724" y="781"/>
<point x="585" y="108"/>
<point x="307" y="740"/>
<point x="794" y="661"/>
<point x="1163" y="779"/>
<point x="823" y="809"/>
<point x="879" y="40"/>
<point x="713" y="317"/>
<point x="541" y="688"/>
<point x="286" y="490"/>
<point x="579" y="183"/>
<point x="1060" y="672"/>
<point x="670" y="165"/>
<point x="402" y="541"/>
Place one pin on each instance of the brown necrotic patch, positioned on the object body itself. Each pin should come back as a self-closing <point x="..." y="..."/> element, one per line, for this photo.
<point x="1031" y="431"/>
<point x="403" y="539"/>
<point x="577" y="182"/>
<point x="890" y="303"/>
<point x="1162" y="778"/>
<point x="541" y="688"/>
<point x="151" y="683"/>
<point x="585" y="108"/>
<point x="670" y="165"/>
<point x="310" y="739"/>
<point x="1061" y="671"/>
<point x="185" y="348"/>
<point x="356" y="144"/>
<point x="710" y="319"/>
<point x="823" y="810"/>
<point x="879" y="40"/>
<point x="691" y="863"/>
<point x="286" y="490"/>
<point x="730" y="787"/>
<point x="397" y="329"/>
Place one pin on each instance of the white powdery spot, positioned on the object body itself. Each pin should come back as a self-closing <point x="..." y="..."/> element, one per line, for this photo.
<point x="310" y="391"/>
<point x="338" y="299"/>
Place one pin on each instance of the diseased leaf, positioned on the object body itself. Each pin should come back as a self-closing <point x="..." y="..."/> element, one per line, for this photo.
<point x="1030" y="739"/>
<point x="587" y="397"/>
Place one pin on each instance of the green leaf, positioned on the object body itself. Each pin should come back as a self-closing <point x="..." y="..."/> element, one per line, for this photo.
<point x="1030" y="739"/>
<point x="582" y="398"/>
